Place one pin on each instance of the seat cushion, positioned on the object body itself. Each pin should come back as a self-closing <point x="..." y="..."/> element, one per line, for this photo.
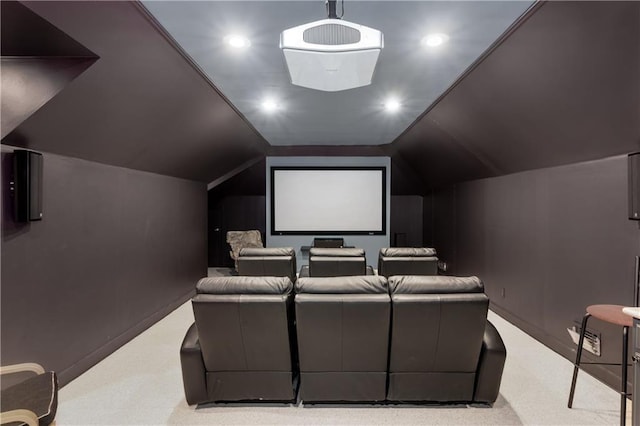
<point x="38" y="394"/>
<point x="336" y="252"/>
<point x="342" y="285"/>
<point x="267" y="266"/>
<point x="429" y="284"/>
<point x="244" y="285"/>
<point x="267" y="251"/>
<point x="407" y="252"/>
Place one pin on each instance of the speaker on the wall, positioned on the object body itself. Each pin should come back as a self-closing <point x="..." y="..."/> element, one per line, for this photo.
<point x="634" y="186"/>
<point x="27" y="168"/>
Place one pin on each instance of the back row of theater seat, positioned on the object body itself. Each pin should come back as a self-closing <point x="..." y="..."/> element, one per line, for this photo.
<point x="335" y="262"/>
<point x="354" y="338"/>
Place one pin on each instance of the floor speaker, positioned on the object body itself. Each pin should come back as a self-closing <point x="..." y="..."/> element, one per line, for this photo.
<point x="27" y="188"/>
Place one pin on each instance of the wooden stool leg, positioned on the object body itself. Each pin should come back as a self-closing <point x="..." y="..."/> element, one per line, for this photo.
<point x="623" y="390"/>
<point x="576" y="365"/>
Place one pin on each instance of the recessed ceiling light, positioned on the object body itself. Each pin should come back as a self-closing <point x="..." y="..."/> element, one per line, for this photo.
<point x="392" y="105"/>
<point x="270" y="105"/>
<point x="433" y="40"/>
<point x="237" y="41"/>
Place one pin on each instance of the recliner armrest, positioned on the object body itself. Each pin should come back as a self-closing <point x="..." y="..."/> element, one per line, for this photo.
<point x="490" y="366"/>
<point x="193" y="370"/>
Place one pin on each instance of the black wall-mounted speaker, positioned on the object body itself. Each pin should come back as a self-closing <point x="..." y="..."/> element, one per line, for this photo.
<point x="27" y="167"/>
<point x="634" y="186"/>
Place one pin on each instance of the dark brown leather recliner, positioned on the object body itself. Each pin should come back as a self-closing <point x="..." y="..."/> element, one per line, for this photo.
<point x="336" y="262"/>
<point x="343" y="338"/>
<point x="268" y="262"/>
<point x="442" y="346"/>
<point x="407" y="261"/>
<point x="240" y="346"/>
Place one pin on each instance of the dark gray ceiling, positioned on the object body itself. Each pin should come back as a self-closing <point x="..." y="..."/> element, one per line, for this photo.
<point x="416" y="75"/>
<point x="561" y="87"/>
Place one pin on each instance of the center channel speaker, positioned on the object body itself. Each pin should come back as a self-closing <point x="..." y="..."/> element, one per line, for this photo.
<point x="634" y="186"/>
<point x="27" y="189"/>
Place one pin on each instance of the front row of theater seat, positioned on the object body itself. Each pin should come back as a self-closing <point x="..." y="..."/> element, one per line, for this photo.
<point x="358" y="338"/>
<point x="342" y="326"/>
<point x="442" y="346"/>
<point x="240" y="346"/>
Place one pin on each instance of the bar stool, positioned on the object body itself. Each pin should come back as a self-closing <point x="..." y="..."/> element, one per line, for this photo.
<point x="612" y="314"/>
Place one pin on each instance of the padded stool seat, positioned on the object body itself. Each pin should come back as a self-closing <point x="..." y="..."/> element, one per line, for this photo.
<point x="610" y="313"/>
<point x="613" y="315"/>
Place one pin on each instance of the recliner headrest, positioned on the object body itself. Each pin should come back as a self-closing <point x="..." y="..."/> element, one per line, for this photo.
<point x="434" y="284"/>
<point x="371" y="284"/>
<point x="267" y="251"/>
<point x="244" y="285"/>
<point x="336" y="252"/>
<point x="407" y="252"/>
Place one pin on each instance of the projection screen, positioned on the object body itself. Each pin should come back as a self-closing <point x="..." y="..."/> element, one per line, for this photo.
<point x="328" y="200"/>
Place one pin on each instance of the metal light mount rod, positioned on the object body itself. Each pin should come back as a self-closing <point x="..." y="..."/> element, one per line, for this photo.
<point x="331" y="9"/>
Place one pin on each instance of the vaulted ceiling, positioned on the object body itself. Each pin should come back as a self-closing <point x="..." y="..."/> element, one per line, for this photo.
<point x="415" y="75"/>
<point x="559" y="86"/>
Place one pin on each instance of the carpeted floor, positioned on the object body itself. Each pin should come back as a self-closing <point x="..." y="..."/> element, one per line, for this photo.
<point x="141" y="384"/>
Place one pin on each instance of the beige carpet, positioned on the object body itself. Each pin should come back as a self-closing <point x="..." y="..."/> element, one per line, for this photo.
<point x="141" y="384"/>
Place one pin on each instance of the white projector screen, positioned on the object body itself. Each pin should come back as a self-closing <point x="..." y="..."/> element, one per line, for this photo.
<point x="328" y="200"/>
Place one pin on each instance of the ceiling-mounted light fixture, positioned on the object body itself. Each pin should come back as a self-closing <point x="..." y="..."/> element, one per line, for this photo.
<point x="392" y="105"/>
<point x="331" y="54"/>
<point x="434" y="40"/>
<point x="270" y="105"/>
<point x="237" y="41"/>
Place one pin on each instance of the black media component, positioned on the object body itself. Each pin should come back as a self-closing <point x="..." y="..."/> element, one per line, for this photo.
<point x="328" y="242"/>
<point x="27" y="168"/>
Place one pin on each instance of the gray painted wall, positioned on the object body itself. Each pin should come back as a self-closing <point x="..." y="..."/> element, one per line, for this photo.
<point x="555" y="239"/>
<point x="117" y="250"/>
<point x="370" y="243"/>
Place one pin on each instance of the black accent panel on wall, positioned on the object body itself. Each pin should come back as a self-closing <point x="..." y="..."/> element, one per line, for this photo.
<point x="546" y="243"/>
<point x="634" y="185"/>
<point x="27" y="185"/>
<point x="117" y="250"/>
<point x="233" y="213"/>
<point x="406" y="221"/>
<point x="237" y="204"/>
